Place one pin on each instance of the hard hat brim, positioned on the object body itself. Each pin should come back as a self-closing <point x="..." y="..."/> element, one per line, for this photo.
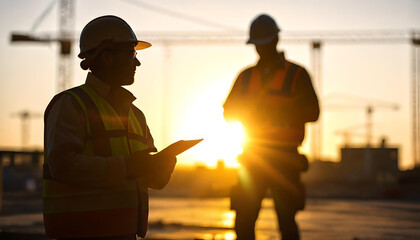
<point x="142" y="45"/>
<point x="262" y="41"/>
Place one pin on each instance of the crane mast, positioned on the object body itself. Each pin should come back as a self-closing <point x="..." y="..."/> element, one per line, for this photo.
<point x="66" y="29"/>
<point x="415" y="87"/>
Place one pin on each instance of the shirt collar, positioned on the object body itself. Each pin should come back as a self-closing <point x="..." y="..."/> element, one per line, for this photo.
<point x="104" y="90"/>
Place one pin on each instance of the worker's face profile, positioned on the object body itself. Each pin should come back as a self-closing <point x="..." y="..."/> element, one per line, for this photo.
<point x="265" y="50"/>
<point x="125" y="63"/>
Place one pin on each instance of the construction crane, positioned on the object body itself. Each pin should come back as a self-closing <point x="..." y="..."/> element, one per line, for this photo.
<point x="343" y="101"/>
<point x="65" y="38"/>
<point x="350" y="132"/>
<point x="25" y="116"/>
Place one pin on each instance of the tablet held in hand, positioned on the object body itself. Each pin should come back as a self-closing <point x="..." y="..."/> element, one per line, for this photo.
<point x="180" y="146"/>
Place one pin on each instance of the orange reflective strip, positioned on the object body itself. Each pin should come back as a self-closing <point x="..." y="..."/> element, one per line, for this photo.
<point x="276" y="85"/>
<point x="113" y="222"/>
<point x="244" y="79"/>
<point x="255" y="83"/>
<point x="279" y="77"/>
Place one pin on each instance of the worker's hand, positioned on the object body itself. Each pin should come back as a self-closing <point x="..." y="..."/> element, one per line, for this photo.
<point x="162" y="166"/>
<point x="156" y="169"/>
<point x="138" y="164"/>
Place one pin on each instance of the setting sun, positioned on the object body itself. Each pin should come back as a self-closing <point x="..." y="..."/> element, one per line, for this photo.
<point x="203" y="118"/>
<point x="230" y="144"/>
<point x="222" y="141"/>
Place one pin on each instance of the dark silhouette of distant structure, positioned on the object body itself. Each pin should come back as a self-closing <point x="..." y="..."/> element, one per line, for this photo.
<point x="358" y="165"/>
<point x="20" y="170"/>
<point x="362" y="172"/>
<point x="377" y="165"/>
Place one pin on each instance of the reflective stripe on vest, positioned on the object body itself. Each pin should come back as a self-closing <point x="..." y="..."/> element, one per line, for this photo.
<point x="276" y="91"/>
<point x="75" y="211"/>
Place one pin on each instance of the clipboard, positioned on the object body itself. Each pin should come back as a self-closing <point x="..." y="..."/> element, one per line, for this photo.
<point x="179" y="147"/>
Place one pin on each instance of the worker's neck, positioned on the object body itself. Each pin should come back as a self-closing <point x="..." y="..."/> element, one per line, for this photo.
<point x="268" y="59"/>
<point x="107" y="78"/>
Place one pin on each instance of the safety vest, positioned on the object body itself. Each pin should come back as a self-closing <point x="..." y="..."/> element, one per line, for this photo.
<point x="277" y="91"/>
<point x="80" y="211"/>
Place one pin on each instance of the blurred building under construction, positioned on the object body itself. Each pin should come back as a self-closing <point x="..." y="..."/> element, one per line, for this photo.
<point x="363" y="172"/>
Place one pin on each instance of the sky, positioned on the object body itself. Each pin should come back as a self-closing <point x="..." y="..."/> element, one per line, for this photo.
<point x="186" y="84"/>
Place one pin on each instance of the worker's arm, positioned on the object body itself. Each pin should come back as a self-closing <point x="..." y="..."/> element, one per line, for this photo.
<point x="305" y="99"/>
<point x="65" y="134"/>
<point x="237" y="106"/>
<point x="231" y="106"/>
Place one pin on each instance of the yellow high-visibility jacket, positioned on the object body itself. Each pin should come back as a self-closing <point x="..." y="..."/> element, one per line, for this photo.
<point x="82" y="211"/>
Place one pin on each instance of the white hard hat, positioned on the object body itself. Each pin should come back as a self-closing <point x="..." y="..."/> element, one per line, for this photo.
<point x="111" y="28"/>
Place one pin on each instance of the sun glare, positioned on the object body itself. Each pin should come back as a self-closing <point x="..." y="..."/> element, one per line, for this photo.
<point x="222" y="141"/>
<point x="231" y="142"/>
<point x="203" y="118"/>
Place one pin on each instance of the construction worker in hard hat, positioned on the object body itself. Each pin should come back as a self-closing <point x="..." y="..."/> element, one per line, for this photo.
<point x="98" y="162"/>
<point x="273" y="100"/>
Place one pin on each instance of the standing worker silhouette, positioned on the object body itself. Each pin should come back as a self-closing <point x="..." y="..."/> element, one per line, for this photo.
<point x="98" y="165"/>
<point x="273" y="100"/>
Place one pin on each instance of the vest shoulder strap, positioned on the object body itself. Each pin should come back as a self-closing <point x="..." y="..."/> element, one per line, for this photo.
<point x="286" y="88"/>
<point x="101" y="144"/>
